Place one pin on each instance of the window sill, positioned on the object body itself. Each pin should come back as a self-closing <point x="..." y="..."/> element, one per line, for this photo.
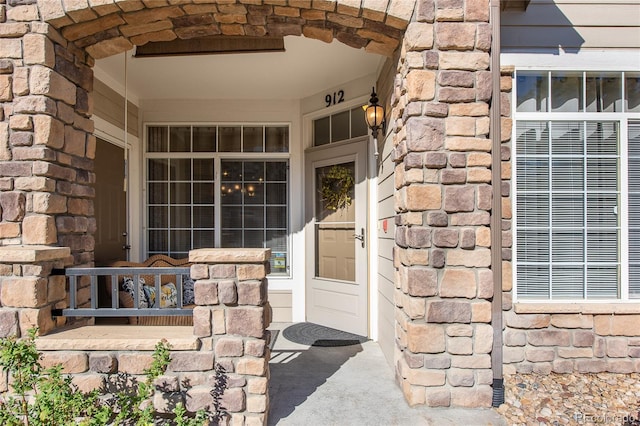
<point x="119" y="338"/>
<point x="618" y="308"/>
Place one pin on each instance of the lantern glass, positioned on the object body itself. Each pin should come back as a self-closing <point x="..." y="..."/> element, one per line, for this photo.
<point x="374" y="116"/>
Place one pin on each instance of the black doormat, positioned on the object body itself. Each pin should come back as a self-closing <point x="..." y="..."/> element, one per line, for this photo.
<point x="306" y="333"/>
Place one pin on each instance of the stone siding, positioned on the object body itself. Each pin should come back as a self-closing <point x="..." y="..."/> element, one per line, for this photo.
<point x="28" y="290"/>
<point x="571" y="342"/>
<point x="440" y="128"/>
<point x="46" y="142"/>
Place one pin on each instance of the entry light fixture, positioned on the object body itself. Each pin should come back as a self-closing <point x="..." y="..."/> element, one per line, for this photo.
<point x="374" y="116"/>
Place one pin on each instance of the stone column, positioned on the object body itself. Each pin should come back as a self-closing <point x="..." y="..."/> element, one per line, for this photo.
<point x="29" y="291"/>
<point x="443" y="201"/>
<point x="46" y="145"/>
<point x="231" y="316"/>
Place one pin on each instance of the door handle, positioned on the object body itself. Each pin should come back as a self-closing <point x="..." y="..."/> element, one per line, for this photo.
<point x="360" y="236"/>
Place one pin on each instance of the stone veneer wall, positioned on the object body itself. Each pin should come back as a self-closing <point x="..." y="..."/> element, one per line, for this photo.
<point x="231" y="318"/>
<point x="561" y="338"/>
<point x="443" y="200"/>
<point x="28" y="291"/>
<point x="46" y="142"/>
<point x="583" y="338"/>
<point x="230" y="322"/>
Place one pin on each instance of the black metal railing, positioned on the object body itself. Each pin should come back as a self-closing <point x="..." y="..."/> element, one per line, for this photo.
<point x="111" y="279"/>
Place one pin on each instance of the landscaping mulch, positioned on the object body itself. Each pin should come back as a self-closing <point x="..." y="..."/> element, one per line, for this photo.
<point x="572" y="399"/>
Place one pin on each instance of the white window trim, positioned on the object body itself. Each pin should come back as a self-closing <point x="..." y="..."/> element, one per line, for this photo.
<point x="622" y="118"/>
<point x="585" y="60"/>
<point x="218" y="157"/>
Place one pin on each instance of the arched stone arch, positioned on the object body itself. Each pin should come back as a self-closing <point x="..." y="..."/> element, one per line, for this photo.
<point x="439" y="98"/>
<point x="112" y="27"/>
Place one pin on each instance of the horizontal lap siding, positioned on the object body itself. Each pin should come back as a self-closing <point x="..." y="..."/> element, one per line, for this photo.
<point x="572" y="25"/>
<point x="109" y="105"/>
<point x="280" y="302"/>
<point x="386" y="331"/>
<point x="386" y="213"/>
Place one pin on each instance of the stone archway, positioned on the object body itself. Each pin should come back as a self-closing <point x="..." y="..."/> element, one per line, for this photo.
<point x="113" y="27"/>
<point x="439" y="123"/>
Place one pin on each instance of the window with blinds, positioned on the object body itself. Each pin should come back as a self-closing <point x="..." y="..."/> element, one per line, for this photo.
<point x="634" y="209"/>
<point x="577" y="187"/>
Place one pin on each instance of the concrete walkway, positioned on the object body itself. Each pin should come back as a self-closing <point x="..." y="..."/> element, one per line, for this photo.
<point x="348" y="385"/>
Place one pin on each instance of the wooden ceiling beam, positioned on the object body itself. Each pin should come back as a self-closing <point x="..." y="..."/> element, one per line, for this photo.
<point x="514" y="4"/>
<point x="212" y="45"/>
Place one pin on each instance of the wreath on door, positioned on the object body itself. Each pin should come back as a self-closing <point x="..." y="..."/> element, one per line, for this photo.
<point x="336" y="186"/>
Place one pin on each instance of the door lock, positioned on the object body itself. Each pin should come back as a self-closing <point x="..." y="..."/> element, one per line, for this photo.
<point x="360" y="236"/>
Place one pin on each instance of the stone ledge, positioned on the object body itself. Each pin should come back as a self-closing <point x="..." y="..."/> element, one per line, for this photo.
<point x="577" y="308"/>
<point x="229" y="255"/>
<point x="35" y="253"/>
<point x="119" y="338"/>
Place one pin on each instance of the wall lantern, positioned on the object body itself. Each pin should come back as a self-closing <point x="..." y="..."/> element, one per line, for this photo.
<point x="374" y="116"/>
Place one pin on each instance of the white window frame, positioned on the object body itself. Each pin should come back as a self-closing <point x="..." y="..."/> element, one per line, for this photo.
<point x="218" y="157"/>
<point x="623" y="118"/>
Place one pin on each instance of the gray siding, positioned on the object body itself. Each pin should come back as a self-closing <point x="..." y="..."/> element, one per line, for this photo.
<point x="280" y="301"/>
<point x="572" y="25"/>
<point x="386" y="214"/>
<point x="109" y="105"/>
<point x="386" y="287"/>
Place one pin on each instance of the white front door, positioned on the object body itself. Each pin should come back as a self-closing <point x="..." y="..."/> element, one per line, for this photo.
<point x="336" y="217"/>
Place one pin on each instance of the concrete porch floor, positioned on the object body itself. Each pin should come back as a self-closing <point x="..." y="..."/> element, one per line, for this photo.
<point x="348" y="385"/>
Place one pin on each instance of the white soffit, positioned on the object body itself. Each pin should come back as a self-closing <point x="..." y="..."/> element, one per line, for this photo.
<point x="306" y="67"/>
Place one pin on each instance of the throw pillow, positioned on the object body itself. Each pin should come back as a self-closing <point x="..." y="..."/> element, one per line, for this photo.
<point x="129" y="286"/>
<point x="188" y="295"/>
<point x="168" y="295"/>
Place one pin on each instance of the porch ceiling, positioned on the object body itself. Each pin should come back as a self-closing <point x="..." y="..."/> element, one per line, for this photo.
<point x="110" y="27"/>
<point x="306" y="67"/>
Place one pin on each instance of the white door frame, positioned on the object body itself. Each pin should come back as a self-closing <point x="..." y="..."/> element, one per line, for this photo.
<point x="335" y="154"/>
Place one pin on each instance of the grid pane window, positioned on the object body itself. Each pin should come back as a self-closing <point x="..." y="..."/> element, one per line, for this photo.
<point x="604" y="92"/>
<point x="563" y="91"/>
<point x="180" y="205"/>
<point x="182" y="189"/>
<point x="566" y="92"/>
<point x="567" y="203"/>
<point x="632" y="92"/>
<point x="204" y="139"/>
<point x="276" y="139"/>
<point x="253" y="195"/>
<point x="179" y="139"/>
<point x="577" y="160"/>
<point x="634" y="209"/>
<point x="532" y="91"/>
<point x="339" y="127"/>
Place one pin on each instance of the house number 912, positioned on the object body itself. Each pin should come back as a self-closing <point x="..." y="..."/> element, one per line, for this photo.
<point x="335" y="99"/>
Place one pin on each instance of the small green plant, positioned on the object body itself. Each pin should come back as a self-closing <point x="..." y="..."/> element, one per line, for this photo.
<point x="135" y="407"/>
<point x="47" y="397"/>
<point x="43" y="396"/>
<point x="220" y="384"/>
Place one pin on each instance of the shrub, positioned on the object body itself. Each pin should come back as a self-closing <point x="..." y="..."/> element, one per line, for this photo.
<point x="47" y="397"/>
